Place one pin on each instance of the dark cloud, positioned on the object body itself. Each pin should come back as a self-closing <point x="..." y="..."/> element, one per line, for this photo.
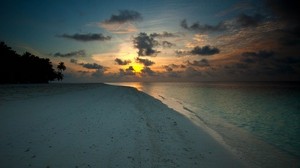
<point x="240" y="66"/>
<point x="289" y="14"/>
<point x="192" y="72"/>
<point x="286" y="65"/>
<point x="163" y="35"/>
<point x="180" y="53"/>
<point x="283" y="69"/>
<point x="289" y="60"/>
<point x="203" y="28"/>
<point x="259" y="54"/>
<point x="74" y="61"/>
<point x="99" y="73"/>
<point x="173" y="74"/>
<point x="148" y="71"/>
<point x="71" y="54"/>
<point x="200" y="63"/>
<point x="122" y="62"/>
<point x="86" y="37"/>
<point x="205" y="50"/>
<point x="265" y="64"/>
<point x="285" y="10"/>
<point x="145" y="45"/>
<point x="171" y="67"/>
<point x="127" y="71"/>
<point x="260" y="60"/>
<point x="177" y="66"/>
<point x="146" y="62"/>
<point x="124" y="16"/>
<point x="168" y="68"/>
<point x="91" y="66"/>
<point x="249" y="21"/>
<point x="167" y="44"/>
<point x="248" y="60"/>
<point x="164" y="44"/>
<point x="290" y="37"/>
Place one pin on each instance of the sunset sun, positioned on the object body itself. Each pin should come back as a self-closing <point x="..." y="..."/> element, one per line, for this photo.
<point x="137" y="67"/>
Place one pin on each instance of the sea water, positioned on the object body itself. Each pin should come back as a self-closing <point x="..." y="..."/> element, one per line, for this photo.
<point x="269" y="111"/>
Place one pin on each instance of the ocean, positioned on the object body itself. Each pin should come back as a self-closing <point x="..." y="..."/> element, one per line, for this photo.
<point x="251" y="117"/>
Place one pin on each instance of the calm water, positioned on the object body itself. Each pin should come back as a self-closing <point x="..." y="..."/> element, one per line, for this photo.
<point x="269" y="111"/>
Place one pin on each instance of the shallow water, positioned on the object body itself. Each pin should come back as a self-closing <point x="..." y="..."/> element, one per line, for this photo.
<point x="269" y="111"/>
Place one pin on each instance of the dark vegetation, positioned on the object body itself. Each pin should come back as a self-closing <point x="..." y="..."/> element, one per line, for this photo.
<point x="26" y="68"/>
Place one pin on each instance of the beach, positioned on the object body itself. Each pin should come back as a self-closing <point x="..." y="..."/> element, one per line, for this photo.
<point x="102" y="126"/>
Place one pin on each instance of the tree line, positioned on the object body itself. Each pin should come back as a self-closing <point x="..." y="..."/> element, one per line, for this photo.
<point x="26" y="68"/>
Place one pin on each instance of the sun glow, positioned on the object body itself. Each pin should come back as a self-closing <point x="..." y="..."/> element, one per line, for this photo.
<point x="137" y="67"/>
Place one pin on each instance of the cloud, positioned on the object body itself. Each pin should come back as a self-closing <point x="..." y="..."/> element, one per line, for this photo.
<point x="203" y="28"/>
<point x="241" y="21"/>
<point x="249" y="21"/>
<point x="205" y="50"/>
<point x="290" y="37"/>
<point x="264" y="65"/>
<point x="145" y="45"/>
<point x="148" y="71"/>
<point x="192" y="72"/>
<point x="167" y="44"/>
<point x="99" y="73"/>
<point x="171" y="67"/>
<point x="128" y="71"/>
<point x="200" y="63"/>
<point x="121" y="62"/>
<point x="124" y="16"/>
<point x="177" y="66"/>
<point x="289" y="14"/>
<point x="180" y="53"/>
<point x="285" y="10"/>
<point x="289" y="60"/>
<point x="146" y="62"/>
<point x="122" y="22"/>
<point x="259" y="54"/>
<point x="248" y="60"/>
<point x="163" y="35"/>
<point x="89" y="65"/>
<point x="80" y="53"/>
<point x="168" y="68"/>
<point x="74" y="61"/>
<point x="119" y="28"/>
<point x="86" y="37"/>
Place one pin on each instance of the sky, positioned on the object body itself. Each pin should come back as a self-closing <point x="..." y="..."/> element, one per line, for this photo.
<point x="159" y="40"/>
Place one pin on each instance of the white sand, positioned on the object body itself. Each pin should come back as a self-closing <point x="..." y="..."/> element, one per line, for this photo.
<point x="108" y="126"/>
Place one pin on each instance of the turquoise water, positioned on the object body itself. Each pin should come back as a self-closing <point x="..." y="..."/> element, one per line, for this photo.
<point x="269" y="111"/>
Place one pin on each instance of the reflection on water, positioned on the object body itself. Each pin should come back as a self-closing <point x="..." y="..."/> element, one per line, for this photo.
<point x="138" y="85"/>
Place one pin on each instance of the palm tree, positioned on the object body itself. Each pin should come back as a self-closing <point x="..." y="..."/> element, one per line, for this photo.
<point x="61" y="67"/>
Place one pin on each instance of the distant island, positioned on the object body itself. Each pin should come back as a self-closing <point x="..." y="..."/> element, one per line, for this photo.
<point x="26" y="68"/>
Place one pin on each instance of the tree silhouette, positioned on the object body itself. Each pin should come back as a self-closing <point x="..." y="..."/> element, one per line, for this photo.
<point x="26" y="68"/>
<point x="61" y="67"/>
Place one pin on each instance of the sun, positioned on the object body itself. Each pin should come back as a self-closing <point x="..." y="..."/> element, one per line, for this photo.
<point x="137" y="67"/>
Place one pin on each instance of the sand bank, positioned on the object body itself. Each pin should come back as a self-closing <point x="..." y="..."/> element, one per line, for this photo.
<point x="105" y="126"/>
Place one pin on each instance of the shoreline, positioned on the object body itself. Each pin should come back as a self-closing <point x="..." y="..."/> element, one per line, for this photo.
<point x="252" y="150"/>
<point x="106" y="126"/>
